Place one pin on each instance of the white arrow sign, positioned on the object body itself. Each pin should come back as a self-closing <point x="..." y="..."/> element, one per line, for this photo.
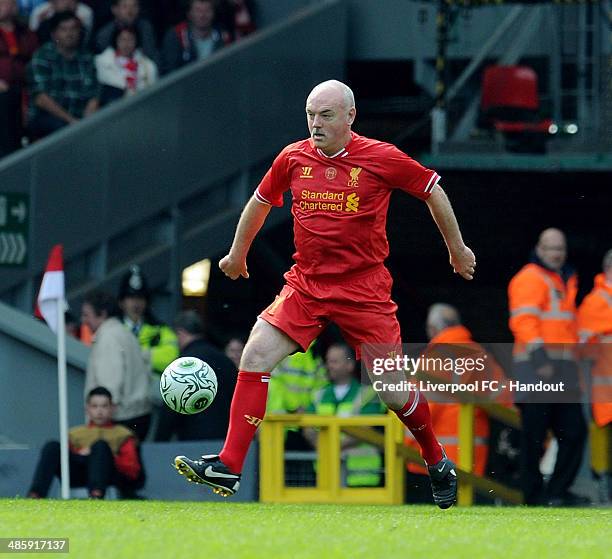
<point x="19" y="212"/>
<point x="13" y="248"/>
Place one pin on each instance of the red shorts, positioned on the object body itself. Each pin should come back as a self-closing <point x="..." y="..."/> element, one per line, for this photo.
<point x="361" y="307"/>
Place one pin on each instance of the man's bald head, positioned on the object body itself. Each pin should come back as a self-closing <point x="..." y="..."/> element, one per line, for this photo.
<point x="336" y="90"/>
<point x="552" y="248"/>
<point x="441" y="316"/>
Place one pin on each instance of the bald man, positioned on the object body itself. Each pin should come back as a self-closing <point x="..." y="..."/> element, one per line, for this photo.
<point x="340" y="184"/>
<point x="542" y="300"/>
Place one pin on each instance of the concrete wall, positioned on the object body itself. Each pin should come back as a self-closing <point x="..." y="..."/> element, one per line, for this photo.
<point x="163" y="482"/>
<point x="28" y="376"/>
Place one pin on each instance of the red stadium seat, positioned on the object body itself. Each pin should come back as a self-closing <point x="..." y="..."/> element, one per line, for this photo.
<point x="510" y="102"/>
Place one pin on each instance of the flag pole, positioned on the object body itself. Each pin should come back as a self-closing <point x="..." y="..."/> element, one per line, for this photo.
<point x="63" y="398"/>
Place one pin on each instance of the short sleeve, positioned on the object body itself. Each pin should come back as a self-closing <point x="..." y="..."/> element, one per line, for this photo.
<point x="401" y="171"/>
<point x="275" y="182"/>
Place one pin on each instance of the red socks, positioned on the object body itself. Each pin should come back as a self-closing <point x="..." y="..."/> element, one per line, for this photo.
<point x="246" y="413"/>
<point x="415" y="415"/>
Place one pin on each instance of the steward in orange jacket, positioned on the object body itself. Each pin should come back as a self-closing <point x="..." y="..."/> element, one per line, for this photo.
<point x="542" y="304"/>
<point x="595" y="327"/>
<point x="449" y="338"/>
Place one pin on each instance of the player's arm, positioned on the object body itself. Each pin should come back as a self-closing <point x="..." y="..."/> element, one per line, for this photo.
<point x="462" y="259"/>
<point x="252" y="219"/>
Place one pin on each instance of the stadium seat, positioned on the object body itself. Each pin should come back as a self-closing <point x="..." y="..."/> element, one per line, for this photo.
<point x="510" y="104"/>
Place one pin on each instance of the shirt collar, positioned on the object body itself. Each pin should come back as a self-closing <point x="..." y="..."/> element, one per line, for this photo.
<point x="339" y="154"/>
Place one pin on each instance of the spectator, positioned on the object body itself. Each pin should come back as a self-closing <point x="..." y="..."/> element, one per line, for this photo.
<point x="62" y="77"/>
<point x="450" y="338"/>
<point x="233" y="350"/>
<point x="157" y="340"/>
<point x="344" y="396"/>
<point x="41" y="16"/>
<point x="236" y="17"/>
<point x="542" y="298"/>
<point x="102" y="453"/>
<point x="122" y="69"/>
<point x="116" y="363"/>
<point x="212" y="424"/>
<point x="127" y="14"/>
<point x="595" y="327"/>
<point x="194" y="39"/>
<point x="17" y="45"/>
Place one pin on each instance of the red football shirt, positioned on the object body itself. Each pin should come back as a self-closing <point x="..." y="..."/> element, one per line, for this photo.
<point x="340" y="202"/>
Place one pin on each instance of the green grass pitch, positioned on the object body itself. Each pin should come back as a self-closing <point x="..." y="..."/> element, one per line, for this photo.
<point x="151" y="529"/>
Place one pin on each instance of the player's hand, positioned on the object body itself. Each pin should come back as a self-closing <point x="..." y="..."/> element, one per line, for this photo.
<point x="463" y="262"/>
<point x="233" y="268"/>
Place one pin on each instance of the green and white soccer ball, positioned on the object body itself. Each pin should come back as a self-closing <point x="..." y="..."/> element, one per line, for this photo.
<point x="188" y="385"/>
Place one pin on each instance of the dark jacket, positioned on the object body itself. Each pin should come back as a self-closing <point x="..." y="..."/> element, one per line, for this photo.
<point x="179" y="47"/>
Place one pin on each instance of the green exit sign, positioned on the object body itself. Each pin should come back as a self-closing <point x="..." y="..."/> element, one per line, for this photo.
<point x="14" y="226"/>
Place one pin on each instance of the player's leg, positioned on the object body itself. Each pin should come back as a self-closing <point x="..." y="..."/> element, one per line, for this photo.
<point x="375" y="322"/>
<point x="382" y="332"/>
<point x="282" y="328"/>
<point x="265" y="348"/>
<point x="411" y="407"/>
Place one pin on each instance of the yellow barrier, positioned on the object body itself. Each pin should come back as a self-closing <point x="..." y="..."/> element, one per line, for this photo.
<point x="600" y="448"/>
<point x="328" y="488"/>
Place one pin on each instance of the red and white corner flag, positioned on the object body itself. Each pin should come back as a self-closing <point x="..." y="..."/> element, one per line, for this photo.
<point x="52" y="289"/>
<point x="51" y="306"/>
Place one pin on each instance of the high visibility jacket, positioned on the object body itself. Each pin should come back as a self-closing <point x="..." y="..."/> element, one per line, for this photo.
<point x="159" y="340"/>
<point x="294" y="381"/>
<point x="595" y="327"/>
<point x="363" y="462"/>
<point x="445" y="416"/>
<point x="542" y="312"/>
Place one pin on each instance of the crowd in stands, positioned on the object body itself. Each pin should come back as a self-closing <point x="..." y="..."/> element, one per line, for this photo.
<point x="61" y="60"/>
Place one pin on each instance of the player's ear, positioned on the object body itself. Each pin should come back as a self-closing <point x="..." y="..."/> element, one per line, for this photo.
<point x="351" y="115"/>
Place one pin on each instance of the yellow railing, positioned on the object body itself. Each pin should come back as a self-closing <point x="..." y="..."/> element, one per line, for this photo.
<point x="328" y="487"/>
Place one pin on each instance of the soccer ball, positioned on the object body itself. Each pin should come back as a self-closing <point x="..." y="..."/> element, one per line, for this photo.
<point x="188" y="385"/>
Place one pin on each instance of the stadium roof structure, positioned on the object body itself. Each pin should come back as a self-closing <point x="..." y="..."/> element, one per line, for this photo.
<point x="590" y="69"/>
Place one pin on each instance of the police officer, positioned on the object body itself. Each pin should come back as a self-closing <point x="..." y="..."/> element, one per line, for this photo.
<point x="157" y="340"/>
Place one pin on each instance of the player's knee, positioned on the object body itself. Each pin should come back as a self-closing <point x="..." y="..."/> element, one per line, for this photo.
<point x="266" y="346"/>
<point x="393" y="400"/>
<point x="255" y="357"/>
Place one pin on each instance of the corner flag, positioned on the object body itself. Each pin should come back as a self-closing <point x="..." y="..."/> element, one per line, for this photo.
<point x="52" y="289"/>
<point x="51" y="306"/>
